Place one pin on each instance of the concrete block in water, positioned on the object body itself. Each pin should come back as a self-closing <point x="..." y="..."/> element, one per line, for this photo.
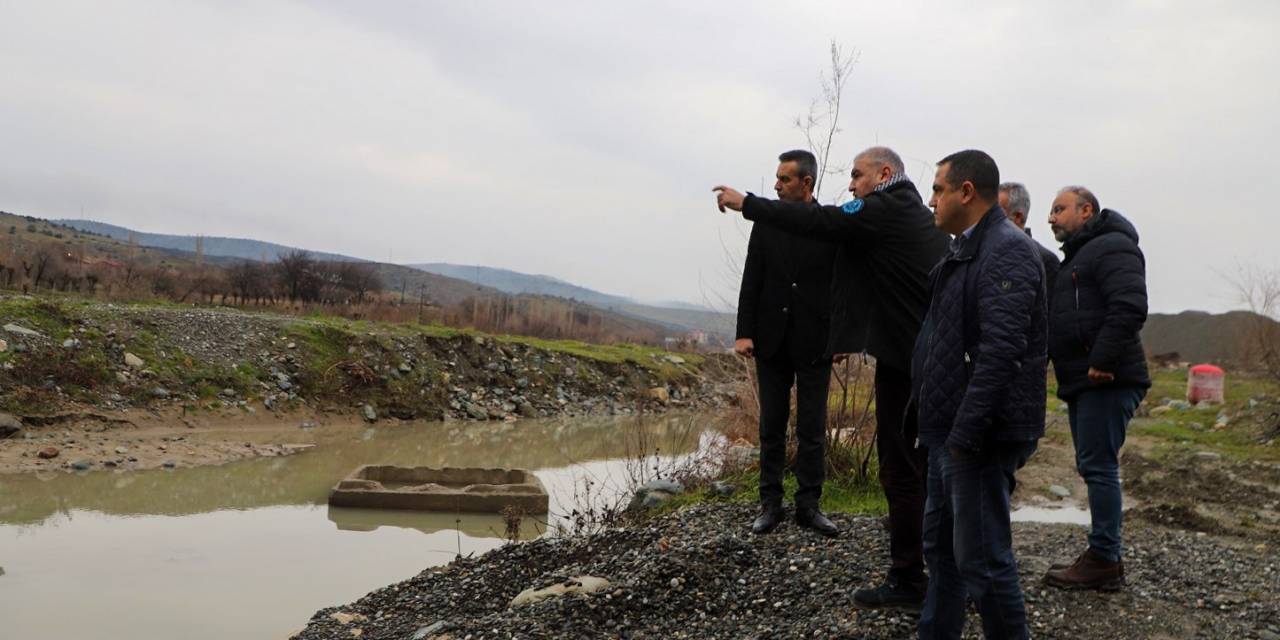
<point x="450" y="489"/>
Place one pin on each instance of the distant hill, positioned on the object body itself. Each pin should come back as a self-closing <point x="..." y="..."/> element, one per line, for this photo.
<point x="517" y="283"/>
<point x="213" y="246"/>
<point x="1202" y="337"/>
<point x="441" y="283"/>
<point x="678" y="316"/>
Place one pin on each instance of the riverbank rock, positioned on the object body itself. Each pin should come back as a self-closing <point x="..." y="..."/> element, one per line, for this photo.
<point x="22" y="331"/>
<point x="723" y="489"/>
<point x="430" y="630"/>
<point x="654" y="494"/>
<point x="368" y="413"/>
<point x="1059" y="491"/>
<point x="48" y="453"/>
<point x="9" y="426"/>
<point x="132" y="361"/>
<point x="578" y="584"/>
<point x="660" y="394"/>
<point x="4" y="346"/>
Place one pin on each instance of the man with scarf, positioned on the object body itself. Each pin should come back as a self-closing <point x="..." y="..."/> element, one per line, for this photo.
<point x="887" y="244"/>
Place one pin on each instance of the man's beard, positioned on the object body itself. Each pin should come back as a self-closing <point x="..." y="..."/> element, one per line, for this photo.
<point x="1060" y="234"/>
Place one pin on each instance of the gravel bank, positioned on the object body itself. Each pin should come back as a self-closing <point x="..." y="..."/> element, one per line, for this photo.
<point x="698" y="574"/>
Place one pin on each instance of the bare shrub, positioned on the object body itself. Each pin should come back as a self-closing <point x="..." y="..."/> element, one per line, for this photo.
<point x="1259" y="290"/>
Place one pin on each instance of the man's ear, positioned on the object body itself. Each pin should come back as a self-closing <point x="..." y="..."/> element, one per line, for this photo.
<point x="967" y="192"/>
<point x="807" y="181"/>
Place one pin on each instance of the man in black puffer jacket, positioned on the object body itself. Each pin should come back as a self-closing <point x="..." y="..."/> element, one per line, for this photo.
<point x="978" y="373"/>
<point x="1098" y="306"/>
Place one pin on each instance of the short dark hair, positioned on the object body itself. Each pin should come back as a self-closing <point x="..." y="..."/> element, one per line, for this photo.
<point x="806" y="164"/>
<point x="973" y="166"/>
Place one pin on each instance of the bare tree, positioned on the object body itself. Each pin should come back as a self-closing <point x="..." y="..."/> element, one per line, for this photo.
<point x="39" y="263"/>
<point x="293" y="269"/>
<point x="821" y="124"/>
<point x="360" y="279"/>
<point x="1259" y="290"/>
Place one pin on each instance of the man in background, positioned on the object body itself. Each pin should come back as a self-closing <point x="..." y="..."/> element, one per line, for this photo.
<point x="1099" y="305"/>
<point x="1016" y="202"/>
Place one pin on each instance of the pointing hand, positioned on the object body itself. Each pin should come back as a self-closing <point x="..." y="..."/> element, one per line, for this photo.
<point x="728" y="198"/>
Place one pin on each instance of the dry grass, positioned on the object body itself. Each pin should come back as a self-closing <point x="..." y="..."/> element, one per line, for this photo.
<point x="851" y="423"/>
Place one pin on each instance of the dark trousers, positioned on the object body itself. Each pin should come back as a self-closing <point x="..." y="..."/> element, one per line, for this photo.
<point x="903" y="471"/>
<point x="812" y="379"/>
<point x="1099" y="419"/>
<point x="969" y="544"/>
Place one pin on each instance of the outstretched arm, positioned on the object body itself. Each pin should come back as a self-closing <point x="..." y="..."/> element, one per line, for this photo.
<point x="861" y="219"/>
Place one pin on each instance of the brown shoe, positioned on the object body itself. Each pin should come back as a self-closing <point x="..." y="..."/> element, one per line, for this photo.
<point x="1090" y="571"/>
<point x="1059" y="566"/>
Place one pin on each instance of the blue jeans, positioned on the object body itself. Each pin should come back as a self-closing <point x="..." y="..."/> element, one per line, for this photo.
<point x="968" y="543"/>
<point x="1099" y="418"/>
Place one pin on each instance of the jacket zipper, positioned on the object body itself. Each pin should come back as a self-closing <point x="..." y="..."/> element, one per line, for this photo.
<point x="1075" y="285"/>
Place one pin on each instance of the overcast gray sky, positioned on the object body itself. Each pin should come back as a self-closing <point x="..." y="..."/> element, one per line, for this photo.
<point x="581" y="139"/>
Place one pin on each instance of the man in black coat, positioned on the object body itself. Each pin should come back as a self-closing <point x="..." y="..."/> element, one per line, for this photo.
<point x="782" y="321"/>
<point x="1098" y="307"/>
<point x="1016" y="202"/>
<point x="887" y="245"/>
<point x="979" y="382"/>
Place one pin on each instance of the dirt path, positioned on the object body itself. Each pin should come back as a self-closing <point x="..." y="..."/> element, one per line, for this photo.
<point x="140" y="439"/>
<point x="1167" y="481"/>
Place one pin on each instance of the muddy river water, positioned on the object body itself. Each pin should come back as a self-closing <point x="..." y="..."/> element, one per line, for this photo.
<point x="251" y="549"/>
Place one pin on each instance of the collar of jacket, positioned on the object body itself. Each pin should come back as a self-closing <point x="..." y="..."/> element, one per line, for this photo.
<point x="1108" y="221"/>
<point x="969" y="248"/>
<point x="902" y="183"/>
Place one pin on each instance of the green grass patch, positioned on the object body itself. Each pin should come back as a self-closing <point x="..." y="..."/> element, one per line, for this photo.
<point x="648" y="357"/>
<point x="1179" y="436"/>
<point x="839" y="495"/>
<point x="48" y="317"/>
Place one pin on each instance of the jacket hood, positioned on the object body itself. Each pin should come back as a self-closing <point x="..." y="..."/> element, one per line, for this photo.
<point x="1109" y="221"/>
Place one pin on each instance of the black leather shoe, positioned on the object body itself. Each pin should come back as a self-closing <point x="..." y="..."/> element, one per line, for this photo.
<point x="813" y="519"/>
<point x="768" y="520"/>
<point x="890" y="595"/>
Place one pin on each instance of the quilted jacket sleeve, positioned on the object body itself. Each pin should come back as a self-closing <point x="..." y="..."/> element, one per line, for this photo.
<point x="1121" y="276"/>
<point x="1006" y="290"/>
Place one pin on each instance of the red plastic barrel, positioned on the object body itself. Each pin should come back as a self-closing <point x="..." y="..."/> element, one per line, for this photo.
<point x="1205" y="383"/>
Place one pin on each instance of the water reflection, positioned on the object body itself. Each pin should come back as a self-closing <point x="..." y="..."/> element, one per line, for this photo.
<point x="307" y="477"/>
<point x="251" y="550"/>
<point x="476" y="525"/>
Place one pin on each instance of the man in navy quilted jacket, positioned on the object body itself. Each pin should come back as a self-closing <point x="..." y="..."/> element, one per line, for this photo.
<point x="1099" y="304"/>
<point x="978" y="373"/>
